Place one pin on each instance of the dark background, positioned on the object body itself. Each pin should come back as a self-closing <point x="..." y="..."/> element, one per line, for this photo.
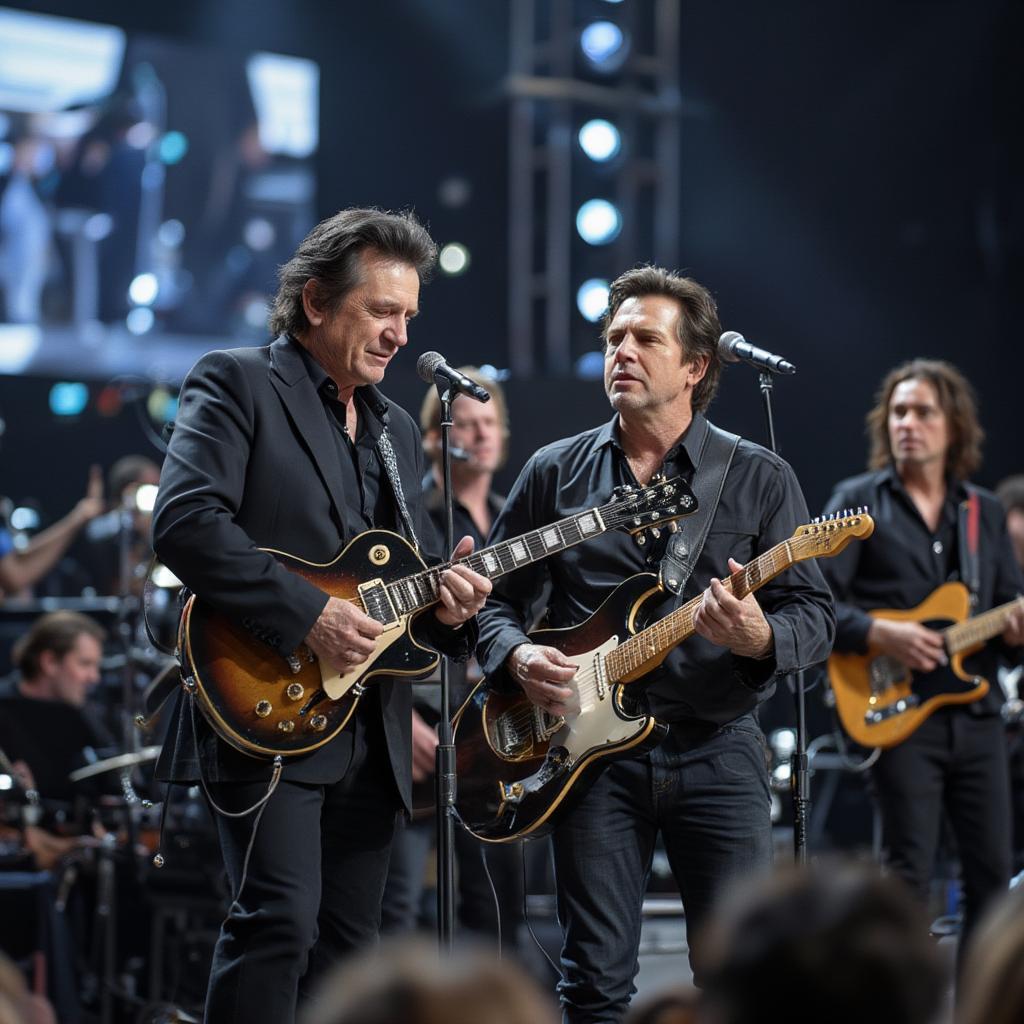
<point x="851" y="193"/>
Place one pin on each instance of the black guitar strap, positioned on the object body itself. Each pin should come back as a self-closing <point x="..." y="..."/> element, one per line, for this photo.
<point x="685" y="545"/>
<point x="968" y="529"/>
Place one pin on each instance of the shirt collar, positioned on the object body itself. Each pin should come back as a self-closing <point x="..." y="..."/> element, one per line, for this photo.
<point x="956" y="490"/>
<point x="371" y="401"/>
<point x="691" y="443"/>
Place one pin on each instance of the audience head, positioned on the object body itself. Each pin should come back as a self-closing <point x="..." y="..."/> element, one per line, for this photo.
<point x="836" y="943"/>
<point x="408" y="983"/>
<point x="991" y="984"/>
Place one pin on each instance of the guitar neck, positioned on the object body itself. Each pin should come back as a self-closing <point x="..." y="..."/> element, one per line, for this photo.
<point x="422" y="589"/>
<point x="649" y="644"/>
<point x="974" y="631"/>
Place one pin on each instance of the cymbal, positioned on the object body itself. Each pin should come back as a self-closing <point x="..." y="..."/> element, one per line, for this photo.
<point x="112" y="764"/>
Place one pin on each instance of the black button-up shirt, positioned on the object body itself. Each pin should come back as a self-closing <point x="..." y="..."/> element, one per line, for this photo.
<point x="368" y="500"/>
<point x="903" y="561"/>
<point x="761" y="505"/>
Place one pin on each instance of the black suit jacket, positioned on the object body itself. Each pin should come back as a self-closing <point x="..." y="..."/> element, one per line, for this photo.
<point x="252" y="464"/>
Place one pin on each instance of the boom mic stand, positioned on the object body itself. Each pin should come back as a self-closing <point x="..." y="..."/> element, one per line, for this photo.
<point x="444" y="773"/>
<point x="800" y="783"/>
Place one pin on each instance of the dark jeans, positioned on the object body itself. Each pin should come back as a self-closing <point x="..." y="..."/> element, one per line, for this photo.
<point x="403" y="893"/>
<point x="954" y="761"/>
<point x="312" y="888"/>
<point x="711" y="804"/>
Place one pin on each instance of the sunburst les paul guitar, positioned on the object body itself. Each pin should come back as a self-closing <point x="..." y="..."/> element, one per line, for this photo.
<point x="519" y="767"/>
<point x="267" y="705"/>
<point x="881" y="702"/>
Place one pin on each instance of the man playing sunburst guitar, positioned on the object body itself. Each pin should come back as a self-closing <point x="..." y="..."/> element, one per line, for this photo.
<point x="705" y="787"/>
<point x="292" y="448"/>
<point x="936" y="538"/>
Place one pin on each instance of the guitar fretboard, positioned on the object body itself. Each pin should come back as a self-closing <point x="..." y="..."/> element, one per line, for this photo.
<point x="631" y="655"/>
<point x="422" y="590"/>
<point x="645" y="508"/>
<point x="980" y="628"/>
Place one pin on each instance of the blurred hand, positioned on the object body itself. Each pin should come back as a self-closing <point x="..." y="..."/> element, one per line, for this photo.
<point x="914" y="645"/>
<point x="92" y="504"/>
<point x="424" y="745"/>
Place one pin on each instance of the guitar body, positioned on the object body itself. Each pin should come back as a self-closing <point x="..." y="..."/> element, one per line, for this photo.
<point x="880" y="701"/>
<point x="520" y="768"/>
<point x="264" y="705"/>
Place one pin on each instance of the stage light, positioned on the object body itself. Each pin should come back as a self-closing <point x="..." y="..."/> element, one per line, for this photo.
<point x="598" y="222"/>
<point x="259" y="234"/>
<point x="783" y="743"/>
<point x="600" y="140"/>
<point x="140" y="320"/>
<point x="454" y="259"/>
<point x="98" y="226"/>
<point x="590" y="366"/>
<point x="592" y="299"/>
<point x="161" y="405"/>
<point x="143" y="289"/>
<point x="145" y="497"/>
<point x="24" y="517"/>
<point x="171" y="234"/>
<point x="604" y="45"/>
<point x="109" y="401"/>
<point x="68" y="398"/>
<point x="173" y="147"/>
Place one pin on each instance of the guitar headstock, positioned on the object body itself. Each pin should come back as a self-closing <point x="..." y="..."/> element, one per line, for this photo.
<point x="639" y="508"/>
<point x="828" y="535"/>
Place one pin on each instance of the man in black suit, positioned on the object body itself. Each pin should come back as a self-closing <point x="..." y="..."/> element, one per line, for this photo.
<point x="292" y="447"/>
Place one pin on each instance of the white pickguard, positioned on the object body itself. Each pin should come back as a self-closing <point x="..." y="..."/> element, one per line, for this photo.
<point x="596" y="724"/>
<point x="337" y="685"/>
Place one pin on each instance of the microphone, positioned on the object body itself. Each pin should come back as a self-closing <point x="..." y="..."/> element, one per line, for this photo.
<point x="431" y="367"/>
<point x="733" y="347"/>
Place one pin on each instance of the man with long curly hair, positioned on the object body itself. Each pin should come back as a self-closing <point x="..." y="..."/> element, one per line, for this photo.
<point x="925" y="443"/>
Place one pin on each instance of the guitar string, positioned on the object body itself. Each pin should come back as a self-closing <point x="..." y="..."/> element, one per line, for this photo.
<point x="631" y="654"/>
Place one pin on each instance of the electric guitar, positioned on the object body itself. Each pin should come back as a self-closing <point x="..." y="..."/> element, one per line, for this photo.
<point x="519" y="766"/>
<point x="267" y="704"/>
<point x="881" y="702"/>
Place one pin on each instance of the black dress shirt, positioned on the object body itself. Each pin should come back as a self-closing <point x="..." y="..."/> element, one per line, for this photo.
<point x="903" y="561"/>
<point x="699" y="682"/>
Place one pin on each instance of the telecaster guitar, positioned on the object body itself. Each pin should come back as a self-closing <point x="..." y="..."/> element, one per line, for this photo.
<point x="519" y="767"/>
<point x="265" y="704"/>
<point x="881" y="702"/>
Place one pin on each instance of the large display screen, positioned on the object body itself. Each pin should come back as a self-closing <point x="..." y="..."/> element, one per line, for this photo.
<point x="149" y="189"/>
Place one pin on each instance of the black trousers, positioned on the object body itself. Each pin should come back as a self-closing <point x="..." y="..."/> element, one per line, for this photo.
<point x="956" y="762"/>
<point x="311" y="890"/>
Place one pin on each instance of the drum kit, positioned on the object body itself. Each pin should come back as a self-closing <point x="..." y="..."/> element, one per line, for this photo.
<point x="137" y="886"/>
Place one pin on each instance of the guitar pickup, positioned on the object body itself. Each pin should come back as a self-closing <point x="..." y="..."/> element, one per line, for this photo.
<point x="899" y="707"/>
<point x="377" y="601"/>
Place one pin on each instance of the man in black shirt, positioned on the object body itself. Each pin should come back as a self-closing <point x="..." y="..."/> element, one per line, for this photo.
<point x="46" y="728"/>
<point x="925" y="443"/>
<point x="291" y="447"/>
<point x="706" y="786"/>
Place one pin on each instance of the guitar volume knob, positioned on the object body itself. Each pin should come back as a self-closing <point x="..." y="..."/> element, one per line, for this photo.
<point x="286" y="725"/>
<point x="294" y="691"/>
<point x="318" y="723"/>
<point x="263" y="708"/>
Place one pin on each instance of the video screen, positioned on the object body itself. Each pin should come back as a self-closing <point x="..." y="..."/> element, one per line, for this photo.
<point x="149" y="189"/>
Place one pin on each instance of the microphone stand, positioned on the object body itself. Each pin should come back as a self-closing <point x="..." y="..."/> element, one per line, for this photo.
<point x="444" y="765"/>
<point x="800" y="782"/>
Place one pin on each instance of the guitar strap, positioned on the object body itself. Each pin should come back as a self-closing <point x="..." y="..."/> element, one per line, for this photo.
<point x="387" y="454"/>
<point x="967" y="538"/>
<point x="685" y="545"/>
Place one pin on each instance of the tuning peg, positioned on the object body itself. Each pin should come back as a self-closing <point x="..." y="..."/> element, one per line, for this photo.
<point x="815" y="520"/>
<point x="641" y="540"/>
<point x="655" y="532"/>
